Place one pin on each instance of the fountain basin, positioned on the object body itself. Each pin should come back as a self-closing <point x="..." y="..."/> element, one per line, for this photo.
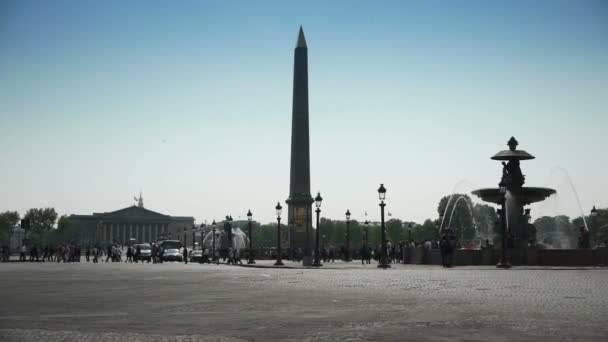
<point x="524" y="195"/>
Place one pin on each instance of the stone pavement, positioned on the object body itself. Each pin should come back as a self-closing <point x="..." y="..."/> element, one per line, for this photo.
<point x="345" y="301"/>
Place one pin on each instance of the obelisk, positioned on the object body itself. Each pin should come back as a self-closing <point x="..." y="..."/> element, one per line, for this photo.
<point x="300" y="201"/>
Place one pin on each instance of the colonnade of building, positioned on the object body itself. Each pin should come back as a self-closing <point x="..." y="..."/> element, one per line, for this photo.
<point x="122" y="232"/>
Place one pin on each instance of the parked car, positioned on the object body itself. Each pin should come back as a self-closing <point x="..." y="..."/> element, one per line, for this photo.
<point x="170" y="250"/>
<point x="145" y="251"/>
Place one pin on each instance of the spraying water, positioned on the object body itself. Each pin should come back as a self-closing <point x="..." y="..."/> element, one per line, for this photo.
<point x="239" y="239"/>
<point x="445" y="211"/>
<point x="578" y="201"/>
<point x="470" y="213"/>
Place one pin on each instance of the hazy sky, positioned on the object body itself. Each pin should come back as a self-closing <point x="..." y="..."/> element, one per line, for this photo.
<point x="191" y="102"/>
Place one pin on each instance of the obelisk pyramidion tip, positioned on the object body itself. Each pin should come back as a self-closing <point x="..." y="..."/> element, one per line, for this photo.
<point x="301" y="39"/>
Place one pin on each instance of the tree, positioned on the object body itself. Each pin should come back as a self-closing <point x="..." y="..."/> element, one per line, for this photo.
<point x="7" y="220"/>
<point x="394" y="230"/>
<point x="598" y="225"/>
<point x="556" y="232"/>
<point x="63" y="232"/>
<point x="459" y="216"/>
<point x="486" y="220"/>
<point x="42" y="221"/>
<point x="425" y="231"/>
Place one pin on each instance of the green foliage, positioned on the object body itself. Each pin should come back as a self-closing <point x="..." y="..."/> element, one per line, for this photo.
<point x="487" y="222"/>
<point x="63" y="232"/>
<point x="7" y="220"/>
<point x="265" y="235"/>
<point x="42" y="222"/>
<point x="425" y="231"/>
<point x="556" y="232"/>
<point x="598" y="226"/>
<point x="395" y="230"/>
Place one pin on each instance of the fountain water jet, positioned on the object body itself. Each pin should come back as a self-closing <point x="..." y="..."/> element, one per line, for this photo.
<point x="578" y="200"/>
<point x="239" y="239"/>
<point x="445" y="211"/>
<point x="470" y="213"/>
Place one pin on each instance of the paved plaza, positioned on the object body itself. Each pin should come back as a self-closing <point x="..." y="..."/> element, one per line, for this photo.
<point x="341" y="302"/>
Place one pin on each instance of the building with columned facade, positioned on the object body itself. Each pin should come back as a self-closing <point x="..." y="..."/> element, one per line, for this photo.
<point x="134" y="222"/>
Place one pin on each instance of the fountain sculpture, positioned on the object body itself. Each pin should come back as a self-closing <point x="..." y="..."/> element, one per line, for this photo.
<point x="513" y="196"/>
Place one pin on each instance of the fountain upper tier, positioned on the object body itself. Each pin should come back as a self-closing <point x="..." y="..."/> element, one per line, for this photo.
<point x="525" y="195"/>
<point x="513" y="180"/>
<point x="512" y="153"/>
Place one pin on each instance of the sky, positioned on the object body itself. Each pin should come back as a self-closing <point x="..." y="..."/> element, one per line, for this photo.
<point x="190" y="103"/>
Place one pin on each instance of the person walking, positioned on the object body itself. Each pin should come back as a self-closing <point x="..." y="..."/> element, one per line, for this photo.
<point x="129" y="255"/>
<point x="137" y="253"/>
<point x="22" y="253"/>
<point x="185" y="254"/>
<point x="448" y="242"/>
<point x="109" y="253"/>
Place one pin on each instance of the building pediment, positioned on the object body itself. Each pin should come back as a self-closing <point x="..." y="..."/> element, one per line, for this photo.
<point x="133" y="213"/>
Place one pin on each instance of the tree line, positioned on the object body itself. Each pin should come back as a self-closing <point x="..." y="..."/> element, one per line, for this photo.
<point x="468" y="220"/>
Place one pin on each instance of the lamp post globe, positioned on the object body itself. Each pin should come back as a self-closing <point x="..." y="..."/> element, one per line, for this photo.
<point x="317" y="261"/>
<point x="347" y="256"/>
<point x="279" y="209"/>
<point x="593" y="212"/>
<point x="383" y="257"/>
<point x="250" y="222"/>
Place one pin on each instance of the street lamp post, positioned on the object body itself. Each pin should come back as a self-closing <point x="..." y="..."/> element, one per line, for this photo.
<point x="201" y="246"/>
<point x="594" y="221"/>
<point x="347" y="256"/>
<point x="213" y="242"/>
<point x="383" y="257"/>
<point x="364" y="251"/>
<point x="318" y="201"/>
<point x="193" y="236"/>
<point x="366" y="235"/>
<point x="504" y="262"/>
<point x="279" y="261"/>
<point x="228" y="230"/>
<point x="250" y="218"/>
<point x="409" y="232"/>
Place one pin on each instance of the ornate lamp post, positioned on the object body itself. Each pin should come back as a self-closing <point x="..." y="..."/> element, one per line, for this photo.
<point x="250" y="219"/>
<point x="201" y="246"/>
<point x="213" y="242"/>
<point x="594" y="220"/>
<point x="366" y="235"/>
<point x="279" y="261"/>
<point x="347" y="256"/>
<point x="383" y="257"/>
<point x="193" y="236"/>
<point x="317" y="261"/>
<point x="409" y="232"/>
<point x="228" y="231"/>
<point x="504" y="261"/>
<point x="364" y="251"/>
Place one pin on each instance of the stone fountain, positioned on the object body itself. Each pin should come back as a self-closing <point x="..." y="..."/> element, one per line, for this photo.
<point x="513" y="196"/>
